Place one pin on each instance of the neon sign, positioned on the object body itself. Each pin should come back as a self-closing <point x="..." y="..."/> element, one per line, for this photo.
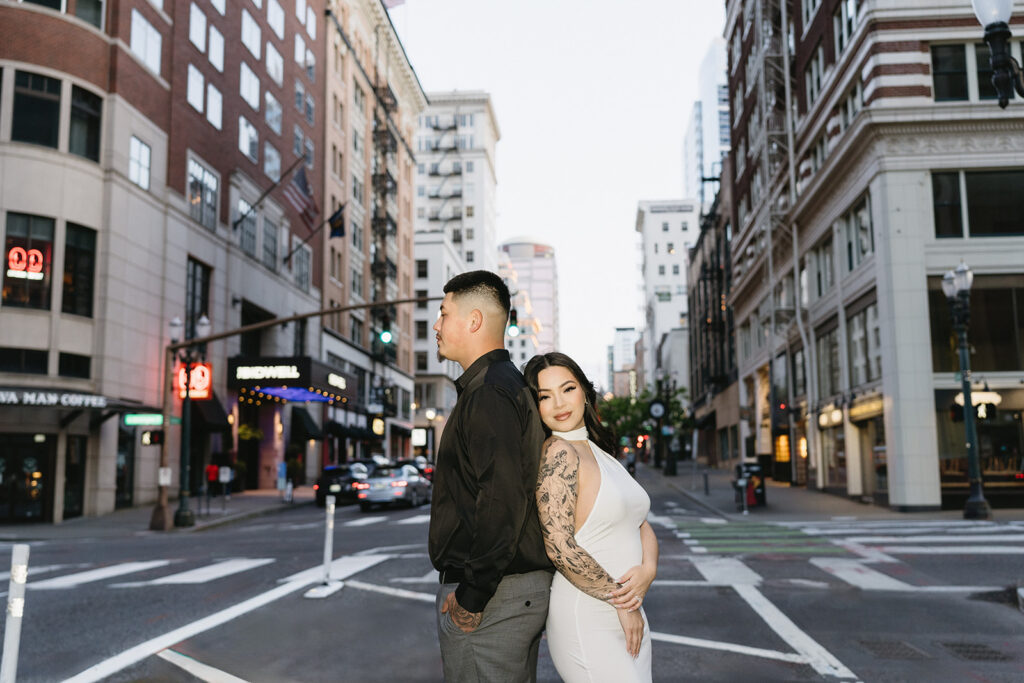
<point x="26" y="264"/>
<point x="200" y="387"/>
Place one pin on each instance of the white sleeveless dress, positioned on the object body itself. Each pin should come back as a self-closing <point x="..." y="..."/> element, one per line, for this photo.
<point x="586" y="641"/>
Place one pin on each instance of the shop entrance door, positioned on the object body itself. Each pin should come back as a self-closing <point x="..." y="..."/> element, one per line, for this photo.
<point x="25" y="477"/>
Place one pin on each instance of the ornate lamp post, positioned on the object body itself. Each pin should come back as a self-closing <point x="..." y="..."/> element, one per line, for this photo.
<point x="183" y="515"/>
<point x="994" y="15"/>
<point x="956" y="285"/>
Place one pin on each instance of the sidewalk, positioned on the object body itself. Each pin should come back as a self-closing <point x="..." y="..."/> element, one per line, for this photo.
<point x="785" y="503"/>
<point x="135" y="520"/>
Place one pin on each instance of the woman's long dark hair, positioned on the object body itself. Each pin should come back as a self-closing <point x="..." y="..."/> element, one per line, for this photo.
<point x="598" y="433"/>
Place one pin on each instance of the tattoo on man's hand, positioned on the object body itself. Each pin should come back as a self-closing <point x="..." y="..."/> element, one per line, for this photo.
<point x="464" y="619"/>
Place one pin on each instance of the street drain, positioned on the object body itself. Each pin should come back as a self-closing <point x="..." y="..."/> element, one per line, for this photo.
<point x="892" y="649"/>
<point x="976" y="652"/>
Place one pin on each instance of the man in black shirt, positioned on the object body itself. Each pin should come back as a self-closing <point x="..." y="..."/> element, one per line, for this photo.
<point x="485" y="537"/>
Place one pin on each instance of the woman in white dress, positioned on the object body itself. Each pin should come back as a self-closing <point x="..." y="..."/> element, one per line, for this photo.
<point x="594" y="518"/>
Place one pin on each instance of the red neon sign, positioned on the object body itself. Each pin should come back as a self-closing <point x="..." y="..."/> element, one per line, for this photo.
<point x="25" y="263"/>
<point x="201" y="386"/>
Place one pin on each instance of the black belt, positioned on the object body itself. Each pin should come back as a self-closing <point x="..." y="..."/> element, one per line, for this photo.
<point x="452" y="575"/>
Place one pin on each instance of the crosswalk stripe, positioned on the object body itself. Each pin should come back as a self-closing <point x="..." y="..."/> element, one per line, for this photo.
<point x="725" y="571"/>
<point x="418" y="519"/>
<point x="952" y="549"/>
<point x="217" y="570"/>
<point x="856" y="574"/>
<point x="203" y="672"/>
<point x="943" y="538"/>
<point x="365" y="521"/>
<point x="72" y="580"/>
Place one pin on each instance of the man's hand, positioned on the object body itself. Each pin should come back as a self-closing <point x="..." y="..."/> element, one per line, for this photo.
<point x="466" y="621"/>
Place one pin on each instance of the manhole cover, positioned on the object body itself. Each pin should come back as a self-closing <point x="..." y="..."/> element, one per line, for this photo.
<point x="892" y="649"/>
<point x="976" y="652"/>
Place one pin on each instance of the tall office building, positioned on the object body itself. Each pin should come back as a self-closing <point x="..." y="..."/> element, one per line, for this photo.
<point x="537" y="274"/>
<point x="668" y="228"/>
<point x="707" y="133"/>
<point x="456" y="139"/>
<point x="522" y="344"/>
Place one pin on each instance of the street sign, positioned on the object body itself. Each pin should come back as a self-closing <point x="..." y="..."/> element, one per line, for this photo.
<point x="224" y="475"/>
<point x="164" y="476"/>
<point x="143" y="419"/>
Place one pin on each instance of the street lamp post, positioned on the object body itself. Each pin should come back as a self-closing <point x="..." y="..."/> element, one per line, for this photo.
<point x="956" y="285"/>
<point x="183" y="516"/>
<point x="1007" y="76"/>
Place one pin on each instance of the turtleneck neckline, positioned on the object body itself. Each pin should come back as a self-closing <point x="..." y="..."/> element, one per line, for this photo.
<point x="573" y="435"/>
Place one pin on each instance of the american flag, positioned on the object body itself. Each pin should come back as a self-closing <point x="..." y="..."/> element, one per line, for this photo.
<point x="300" y="195"/>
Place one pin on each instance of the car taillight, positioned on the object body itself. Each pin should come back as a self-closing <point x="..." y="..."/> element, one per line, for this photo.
<point x="399" y="483"/>
<point x="360" y="485"/>
<point x="362" y="495"/>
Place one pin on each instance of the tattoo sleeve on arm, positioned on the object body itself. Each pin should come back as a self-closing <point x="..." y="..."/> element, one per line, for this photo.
<point x="557" y="491"/>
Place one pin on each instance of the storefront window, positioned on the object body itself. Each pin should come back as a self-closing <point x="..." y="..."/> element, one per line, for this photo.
<point x="28" y="252"/>
<point x="1000" y="442"/>
<point x="833" y="451"/>
<point x="125" y="473"/>
<point x="996" y="329"/>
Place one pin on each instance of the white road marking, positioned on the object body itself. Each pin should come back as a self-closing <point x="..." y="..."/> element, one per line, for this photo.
<point x="725" y="571"/>
<point x="856" y="574"/>
<point x="808" y="583"/>
<point x="869" y="554"/>
<point x="346" y="565"/>
<point x="203" y="672"/>
<point x="365" y="521"/>
<point x="396" y="592"/>
<point x="211" y="572"/>
<point x="945" y="538"/>
<point x="712" y="520"/>
<point x="42" y="569"/>
<point x="680" y="582"/>
<point x="429" y="577"/>
<point x="820" y="659"/>
<point x="729" y="647"/>
<point x="662" y="521"/>
<point x="296" y="583"/>
<point x="306" y="525"/>
<point x="418" y="519"/>
<point x="952" y="550"/>
<point x="72" y="580"/>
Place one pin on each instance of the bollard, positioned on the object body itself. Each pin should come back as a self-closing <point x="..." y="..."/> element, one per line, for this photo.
<point x="15" y="609"/>
<point x="707" y="491"/>
<point x="328" y="587"/>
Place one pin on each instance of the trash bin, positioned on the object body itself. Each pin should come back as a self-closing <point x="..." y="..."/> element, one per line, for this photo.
<point x="753" y="474"/>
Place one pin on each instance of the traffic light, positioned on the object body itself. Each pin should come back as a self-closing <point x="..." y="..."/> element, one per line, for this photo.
<point x="152" y="437"/>
<point x="385" y="330"/>
<point x="513" y="323"/>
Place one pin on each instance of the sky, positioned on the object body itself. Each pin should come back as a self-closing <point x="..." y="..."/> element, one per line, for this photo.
<point x="592" y="98"/>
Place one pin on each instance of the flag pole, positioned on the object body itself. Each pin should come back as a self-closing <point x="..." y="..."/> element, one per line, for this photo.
<point x="254" y="205"/>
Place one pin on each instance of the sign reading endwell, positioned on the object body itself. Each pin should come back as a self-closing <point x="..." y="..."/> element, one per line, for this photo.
<point x="298" y="374"/>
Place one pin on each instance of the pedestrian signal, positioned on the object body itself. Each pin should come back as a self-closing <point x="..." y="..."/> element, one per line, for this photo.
<point x="152" y="437"/>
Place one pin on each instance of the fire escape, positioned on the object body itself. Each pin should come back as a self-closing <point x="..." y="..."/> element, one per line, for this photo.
<point x="447" y="167"/>
<point x="384" y="246"/>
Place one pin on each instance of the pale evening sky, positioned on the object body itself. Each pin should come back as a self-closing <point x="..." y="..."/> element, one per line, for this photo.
<point x="592" y="98"/>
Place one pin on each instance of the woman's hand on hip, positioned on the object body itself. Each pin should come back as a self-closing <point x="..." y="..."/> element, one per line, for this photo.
<point x="633" y="626"/>
<point x="635" y="584"/>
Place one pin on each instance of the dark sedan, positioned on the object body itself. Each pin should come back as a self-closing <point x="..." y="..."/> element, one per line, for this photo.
<point x="339" y="480"/>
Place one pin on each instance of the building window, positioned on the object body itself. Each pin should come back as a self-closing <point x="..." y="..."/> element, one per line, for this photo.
<point x="298" y="139"/>
<point x="36" y="109"/>
<point x="79" y="268"/>
<point x="145" y="42"/>
<point x="357" y="191"/>
<point x="309" y="152"/>
<point x="25" y="361"/>
<point x="249" y="86"/>
<point x="421" y="329"/>
<point x="828" y="363"/>
<point x="844" y="22"/>
<point x="197" y="27"/>
<point x="271" y="162"/>
<point x="213" y="106"/>
<point x="421" y="361"/>
<point x="469" y="212"/>
<point x="664" y="227"/>
<point x="270" y="244"/>
<point x="469" y="257"/>
<point x="84" y="138"/>
<point x="219" y="5"/>
<point x="299" y="340"/>
<point x="251" y="37"/>
<point x="73" y="365"/>
<point x="138" y="162"/>
<point x="300" y="95"/>
<point x="248" y="139"/>
<point x="216" y="53"/>
<point x="949" y="72"/>
<point x="813" y="74"/>
<point x="357" y="282"/>
<point x="302" y="258"/>
<point x="355" y="334"/>
<point x="197" y="295"/>
<point x="195" y="88"/>
<point x="995" y="202"/>
<point x="247" y="238"/>
<point x="300" y="50"/>
<point x="310" y="108"/>
<point x="864" y="338"/>
<point x="275" y="64"/>
<point x="661" y="269"/>
<point x="202" y="194"/>
<point x="90" y="11"/>
<point x="859" y="237"/>
<point x="275" y="18"/>
<point x="983" y="60"/>
<point x="272" y="112"/>
<point x="358" y="97"/>
<point x="823" y="270"/>
<point x="421" y="268"/>
<point x="996" y="335"/>
<point x="29" y="254"/>
<point x="421" y="294"/>
<point x="675" y="269"/>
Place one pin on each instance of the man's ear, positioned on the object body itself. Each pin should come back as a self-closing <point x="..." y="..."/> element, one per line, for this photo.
<point x="476" y="320"/>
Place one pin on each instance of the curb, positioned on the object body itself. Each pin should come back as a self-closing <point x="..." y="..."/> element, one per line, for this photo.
<point x="237" y="517"/>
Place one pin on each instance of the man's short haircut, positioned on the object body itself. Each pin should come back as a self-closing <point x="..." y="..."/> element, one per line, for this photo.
<point x="482" y="283"/>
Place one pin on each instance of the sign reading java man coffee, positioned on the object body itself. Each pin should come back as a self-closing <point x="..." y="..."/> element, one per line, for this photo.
<point x="46" y="398"/>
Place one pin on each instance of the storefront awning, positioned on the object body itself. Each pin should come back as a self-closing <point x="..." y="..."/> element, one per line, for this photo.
<point x="299" y="378"/>
<point x="210" y="415"/>
<point x="304" y="427"/>
<point x="349" y="431"/>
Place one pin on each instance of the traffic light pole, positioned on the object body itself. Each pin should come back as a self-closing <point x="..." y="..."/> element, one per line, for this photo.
<point x="160" y="520"/>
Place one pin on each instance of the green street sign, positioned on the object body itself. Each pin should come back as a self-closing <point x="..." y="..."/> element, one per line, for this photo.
<point x="147" y="420"/>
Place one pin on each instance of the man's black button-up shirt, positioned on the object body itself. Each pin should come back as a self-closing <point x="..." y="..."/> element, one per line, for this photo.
<point x="483" y="519"/>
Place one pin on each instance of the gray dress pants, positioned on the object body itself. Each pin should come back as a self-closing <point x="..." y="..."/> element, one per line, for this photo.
<point x="503" y="649"/>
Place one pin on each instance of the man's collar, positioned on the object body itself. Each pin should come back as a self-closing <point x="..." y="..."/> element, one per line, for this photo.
<point x="495" y="356"/>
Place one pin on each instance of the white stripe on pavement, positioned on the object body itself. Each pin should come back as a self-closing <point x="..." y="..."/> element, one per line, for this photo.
<point x="203" y="672"/>
<point x="42" y="569"/>
<point x="856" y="574"/>
<point x="725" y="571"/>
<point x="869" y="554"/>
<point x="418" y="519"/>
<point x="729" y="647"/>
<point x="944" y="538"/>
<point x="712" y="520"/>
<point x="346" y="565"/>
<point x="820" y="659"/>
<point x="364" y="521"/>
<point x="136" y="654"/>
<point x="211" y="572"/>
<point x="429" y="577"/>
<point x="396" y="592"/>
<point x="952" y="550"/>
<point x="72" y="580"/>
<point x="665" y="522"/>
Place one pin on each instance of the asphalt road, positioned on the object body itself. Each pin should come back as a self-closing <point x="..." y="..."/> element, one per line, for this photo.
<point x="734" y="601"/>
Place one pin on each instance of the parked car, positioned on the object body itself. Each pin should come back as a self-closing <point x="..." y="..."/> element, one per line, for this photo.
<point x="391" y="485"/>
<point x="338" y="481"/>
